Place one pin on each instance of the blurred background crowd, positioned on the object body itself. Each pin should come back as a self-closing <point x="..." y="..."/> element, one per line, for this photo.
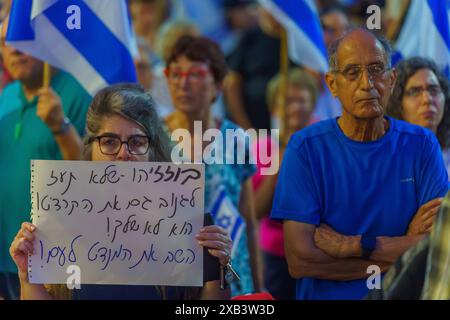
<point x="250" y="38"/>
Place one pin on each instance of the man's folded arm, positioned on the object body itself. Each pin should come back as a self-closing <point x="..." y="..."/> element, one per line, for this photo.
<point x="387" y="249"/>
<point x="306" y="260"/>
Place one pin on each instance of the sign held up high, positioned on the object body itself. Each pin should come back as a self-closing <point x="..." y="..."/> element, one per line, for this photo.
<point x="119" y="222"/>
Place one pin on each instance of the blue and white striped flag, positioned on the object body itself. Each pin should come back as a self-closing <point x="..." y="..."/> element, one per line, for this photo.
<point x="227" y="216"/>
<point x="97" y="54"/>
<point x="426" y="33"/>
<point x="304" y="32"/>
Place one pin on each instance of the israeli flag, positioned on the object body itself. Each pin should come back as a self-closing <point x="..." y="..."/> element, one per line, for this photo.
<point x="90" y="39"/>
<point x="304" y="32"/>
<point x="227" y="216"/>
<point x="426" y="33"/>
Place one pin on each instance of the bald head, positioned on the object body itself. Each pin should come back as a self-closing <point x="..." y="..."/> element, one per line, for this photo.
<point x="361" y="76"/>
<point x="352" y="44"/>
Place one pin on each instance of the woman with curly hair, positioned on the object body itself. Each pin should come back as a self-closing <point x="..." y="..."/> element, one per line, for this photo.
<point x="195" y="71"/>
<point x="421" y="96"/>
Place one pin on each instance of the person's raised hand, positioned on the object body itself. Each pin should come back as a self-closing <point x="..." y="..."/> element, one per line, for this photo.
<point x="21" y="246"/>
<point x="49" y="108"/>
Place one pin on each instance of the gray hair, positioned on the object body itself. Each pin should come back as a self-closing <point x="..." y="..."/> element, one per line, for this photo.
<point x="133" y="103"/>
<point x="333" y="48"/>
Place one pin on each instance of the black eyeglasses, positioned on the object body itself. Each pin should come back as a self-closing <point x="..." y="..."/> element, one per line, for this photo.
<point x="110" y="145"/>
<point x="354" y="72"/>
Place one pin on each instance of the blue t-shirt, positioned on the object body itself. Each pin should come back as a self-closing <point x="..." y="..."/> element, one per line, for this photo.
<point x="357" y="187"/>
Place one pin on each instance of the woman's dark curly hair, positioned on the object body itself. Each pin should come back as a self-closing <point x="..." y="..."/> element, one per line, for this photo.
<point x="200" y="49"/>
<point x="406" y="69"/>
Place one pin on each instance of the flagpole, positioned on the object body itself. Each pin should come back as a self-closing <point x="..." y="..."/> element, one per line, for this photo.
<point x="46" y="78"/>
<point x="394" y="28"/>
<point x="282" y="92"/>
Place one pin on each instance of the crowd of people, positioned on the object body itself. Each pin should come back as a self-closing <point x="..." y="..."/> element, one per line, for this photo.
<point x="364" y="150"/>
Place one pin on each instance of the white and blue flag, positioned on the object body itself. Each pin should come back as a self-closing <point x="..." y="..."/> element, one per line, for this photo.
<point x="304" y="32"/>
<point x="426" y="33"/>
<point x="226" y="215"/>
<point x="97" y="52"/>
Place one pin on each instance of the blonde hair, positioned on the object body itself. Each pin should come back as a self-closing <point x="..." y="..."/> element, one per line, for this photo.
<point x="169" y="34"/>
<point x="296" y="77"/>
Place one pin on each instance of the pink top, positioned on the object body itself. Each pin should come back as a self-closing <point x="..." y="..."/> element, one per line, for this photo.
<point x="270" y="231"/>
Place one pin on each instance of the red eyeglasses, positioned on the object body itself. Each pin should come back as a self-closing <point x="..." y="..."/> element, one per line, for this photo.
<point x="194" y="74"/>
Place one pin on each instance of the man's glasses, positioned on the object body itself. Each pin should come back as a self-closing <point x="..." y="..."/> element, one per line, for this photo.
<point x="110" y="145"/>
<point x="414" y="92"/>
<point x="354" y="72"/>
<point x="193" y="74"/>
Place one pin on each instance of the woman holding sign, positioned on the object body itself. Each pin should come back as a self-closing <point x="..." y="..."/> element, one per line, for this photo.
<point x="118" y="115"/>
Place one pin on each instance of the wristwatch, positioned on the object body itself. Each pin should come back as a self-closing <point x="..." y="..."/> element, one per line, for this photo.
<point x="64" y="127"/>
<point x="368" y="244"/>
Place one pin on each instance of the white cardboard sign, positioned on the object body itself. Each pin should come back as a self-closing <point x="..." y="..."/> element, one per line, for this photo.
<point x="119" y="222"/>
